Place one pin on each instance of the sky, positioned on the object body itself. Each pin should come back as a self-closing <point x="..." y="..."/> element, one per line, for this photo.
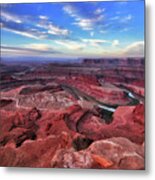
<point x="73" y="30"/>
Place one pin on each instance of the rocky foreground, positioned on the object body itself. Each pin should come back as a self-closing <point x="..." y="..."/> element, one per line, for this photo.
<point x="62" y="119"/>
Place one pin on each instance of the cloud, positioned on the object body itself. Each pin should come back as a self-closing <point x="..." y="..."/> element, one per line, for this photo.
<point x="135" y="49"/>
<point x="29" y="50"/>
<point x="94" y="42"/>
<point x="99" y="11"/>
<point x="88" y="24"/>
<point x="91" y="34"/>
<point x="32" y="27"/>
<point x="121" y="19"/>
<point x="81" y="44"/>
<point x="20" y="25"/>
<point x="126" y="18"/>
<point x="40" y="47"/>
<point x="26" y="34"/>
<point x="51" y="28"/>
<point x="85" y="44"/>
<point x="23" y="31"/>
<point x="71" y="10"/>
<point x="85" y="24"/>
<point x="43" y="17"/>
<point x="55" y="30"/>
<point x="115" y="42"/>
<point x="82" y="19"/>
<point x="70" y="44"/>
<point x="10" y="17"/>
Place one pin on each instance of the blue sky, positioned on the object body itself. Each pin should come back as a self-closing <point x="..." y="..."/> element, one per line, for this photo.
<point x="73" y="30"/>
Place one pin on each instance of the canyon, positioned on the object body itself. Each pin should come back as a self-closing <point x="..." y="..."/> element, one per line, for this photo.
<point x="86" y="114"/>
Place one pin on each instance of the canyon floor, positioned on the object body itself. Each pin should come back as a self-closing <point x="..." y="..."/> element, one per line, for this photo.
<point x="73" y="115"/>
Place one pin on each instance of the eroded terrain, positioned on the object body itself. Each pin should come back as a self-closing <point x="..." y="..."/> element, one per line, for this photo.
<point x="82" y="115"/>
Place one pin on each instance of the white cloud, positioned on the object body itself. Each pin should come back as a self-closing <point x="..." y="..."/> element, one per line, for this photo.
<point x="82" y="44"/>
<point x="43" y="17"/>
<point x="19" y="21"/>
<point x="85" y="44"/>
<point x="70" y="44"/>
<point x="99" y="11"/>
<point x="115" y="42"/>
<point x="71" y="10"/>
<point x="22" y="33"/>
<point x="10" y="17"/>
<point x="84" y="23"/>
<point x="126" y="18"/>
<point x="29" y="49"/>
<point x="92" y="34"/>
<point x="55" y="30"/>
<point x="135" y="49"/>
<point x="100" y="42"/>
<point x="94" y="42"/>
<point x="41" y="47"/>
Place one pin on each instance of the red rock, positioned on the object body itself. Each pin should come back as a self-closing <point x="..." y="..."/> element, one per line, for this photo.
<point x="69" y="159"/>
<point x="138" y="114"/>
<point x="123" y="153"/>
<point x="124" y="124"/>
<point x="36" y="153"/>
<point x="136" y="89"/>
<point x="106" y="93"/>
<point x="113" y="153"/>
<point x="103" y="162"/>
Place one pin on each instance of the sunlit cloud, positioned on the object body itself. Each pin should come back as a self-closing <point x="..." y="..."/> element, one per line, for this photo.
<point x="135" y="49"/>
<point x="115" y="42"/>
<point x="29" y="50"/>
<point x="94" y="42"/>
<point x="71" y="45"/>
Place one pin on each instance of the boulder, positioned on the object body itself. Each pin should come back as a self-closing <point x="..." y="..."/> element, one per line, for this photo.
<point x="113" y="153"/>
